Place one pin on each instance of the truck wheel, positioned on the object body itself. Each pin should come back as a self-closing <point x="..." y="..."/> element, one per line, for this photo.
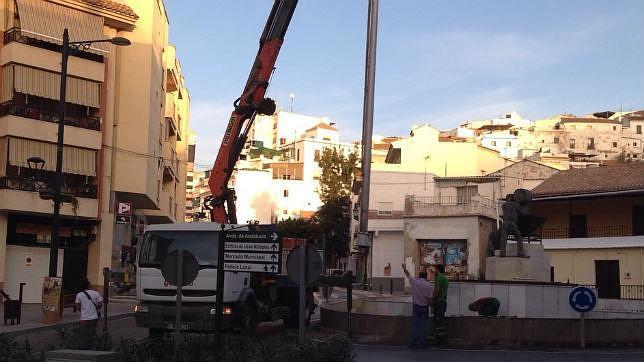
<point x="248" y="318"/>
<point x="293" y="320"/>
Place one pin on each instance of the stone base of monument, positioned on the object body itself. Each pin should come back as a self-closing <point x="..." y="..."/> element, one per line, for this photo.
<point x="535" y="266"/>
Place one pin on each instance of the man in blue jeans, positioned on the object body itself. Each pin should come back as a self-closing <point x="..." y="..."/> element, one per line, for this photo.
<point x="421" y="291"/>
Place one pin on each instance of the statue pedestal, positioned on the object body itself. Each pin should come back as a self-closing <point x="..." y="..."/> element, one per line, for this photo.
<point x="535" y="266"/>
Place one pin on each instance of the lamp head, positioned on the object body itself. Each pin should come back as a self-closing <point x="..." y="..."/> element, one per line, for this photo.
<point x="120" y="41"/>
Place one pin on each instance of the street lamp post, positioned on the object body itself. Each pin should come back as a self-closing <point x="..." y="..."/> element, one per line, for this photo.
<point x="67" y="46"/>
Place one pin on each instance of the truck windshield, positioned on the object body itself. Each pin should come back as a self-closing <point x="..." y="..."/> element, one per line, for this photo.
<point x="157" y="245"/>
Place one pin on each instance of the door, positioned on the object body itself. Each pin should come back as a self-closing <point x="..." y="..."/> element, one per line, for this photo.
<point x="578" y="226"/>
<point x="638" y="220"/>
<point x="607" y="279"/>
<point x="74" y="269"/>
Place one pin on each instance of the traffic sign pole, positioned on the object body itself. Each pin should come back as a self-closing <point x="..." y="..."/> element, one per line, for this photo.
<point x="582" y="331"/>
<point x="302" y="283"/>
<point x="177" y="317"/>
<point x="219" y="302"/>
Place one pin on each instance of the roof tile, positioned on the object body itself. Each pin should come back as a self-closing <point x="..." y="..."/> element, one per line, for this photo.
<point x="575" y="181"/>
<point x="113" y="6"/>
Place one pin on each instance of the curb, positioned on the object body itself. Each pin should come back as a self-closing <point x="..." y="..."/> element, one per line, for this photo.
<point x="61" y="325"/>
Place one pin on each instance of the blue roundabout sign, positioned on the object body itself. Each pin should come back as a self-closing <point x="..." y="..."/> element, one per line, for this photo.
<point x="582" y="299"/>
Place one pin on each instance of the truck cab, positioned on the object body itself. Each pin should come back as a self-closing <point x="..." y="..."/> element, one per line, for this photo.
<point x="156" y="297"/>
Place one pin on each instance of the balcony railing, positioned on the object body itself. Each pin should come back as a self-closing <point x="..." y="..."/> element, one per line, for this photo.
<point x="449" y="206"/>
<point x="597" y="231"/>
<point x="15" y="35"/>
<point x="630" y="292"/>
<point x="27" y="111"/>
<point x="28" y="184"/>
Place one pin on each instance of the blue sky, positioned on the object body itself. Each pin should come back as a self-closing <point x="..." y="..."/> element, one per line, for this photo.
<point x="438" y="62"/>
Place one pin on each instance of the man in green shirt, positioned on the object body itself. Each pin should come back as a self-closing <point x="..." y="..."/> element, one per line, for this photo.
<point x="439" y="304"/>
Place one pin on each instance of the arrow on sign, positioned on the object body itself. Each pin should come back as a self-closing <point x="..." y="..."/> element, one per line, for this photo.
<point x="273" y="268"/>
<point x="274" y="236"/>
<point x="274" y="247"/>
<point x="273" y="257"/>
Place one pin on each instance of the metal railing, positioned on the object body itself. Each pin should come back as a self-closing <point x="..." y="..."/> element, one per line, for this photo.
<point x="42" y="114"/>
<point x="596" y="231"/>
<point x="413" y="202"/>
<point x="627" y="291"/>
<point x="15" y="35"/>
<point x="28" y="184"/>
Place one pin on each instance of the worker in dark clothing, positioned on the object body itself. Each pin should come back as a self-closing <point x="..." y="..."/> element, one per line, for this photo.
<point x="439" y="305"/>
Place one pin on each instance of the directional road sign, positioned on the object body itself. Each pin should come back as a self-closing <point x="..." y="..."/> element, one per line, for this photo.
<point x="582" y="299"/>
<point x="252" y="251"/>
<point x="252" y="267"/>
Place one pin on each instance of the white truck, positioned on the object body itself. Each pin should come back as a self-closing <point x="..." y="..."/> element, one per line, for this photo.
<point x="249" y="298"/>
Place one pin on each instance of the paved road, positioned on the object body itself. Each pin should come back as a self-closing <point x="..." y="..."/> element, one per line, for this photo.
<point x="394" y="354"/>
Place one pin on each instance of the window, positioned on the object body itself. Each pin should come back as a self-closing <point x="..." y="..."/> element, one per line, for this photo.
<point x="317" y="156"/>
<point x="572" y="143"/>
<point x="285" y="212"/>
<point x="282" y="141"/>
<point x="285" y="193"/>
<point x="189" y="178"/>
<point x="275" y="125"/>
<point x="297" y="158"/>
<point x="591" y="143"/>
<point x="385" y="208"/>
<point x="614" y="144"/>
<point x="464" y="193"/>
<point x="634" y="144"/>
<point x="326" y="139"/>
<point x="494" y="143"/>
<point x="556" y="140"/>
<point x="286" y="177"/>
<point x="614" y="128"/>
<point x="508" y="143"/>
<point x="638" y="129"/>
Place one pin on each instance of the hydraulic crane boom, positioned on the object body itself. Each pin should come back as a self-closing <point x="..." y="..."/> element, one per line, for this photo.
<point x="251" y="103"/>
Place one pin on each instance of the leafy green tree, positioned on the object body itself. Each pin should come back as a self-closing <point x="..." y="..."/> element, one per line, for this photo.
<point x="298" y="228"/>
<point x="333" y="217"/>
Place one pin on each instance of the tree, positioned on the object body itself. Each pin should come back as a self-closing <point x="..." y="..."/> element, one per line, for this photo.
<point x="298" y="228"/>
<point x="333" y="217"/>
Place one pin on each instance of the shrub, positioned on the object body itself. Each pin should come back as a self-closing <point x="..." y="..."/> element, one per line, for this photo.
<point x="83" y="337"/>
<point x="11" y="350"/>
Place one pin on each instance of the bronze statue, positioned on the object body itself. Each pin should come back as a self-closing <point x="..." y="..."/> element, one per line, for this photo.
<point x="515" y="208"/>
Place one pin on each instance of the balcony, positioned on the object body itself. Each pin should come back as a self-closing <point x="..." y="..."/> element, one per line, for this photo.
<point x="598" y="231"/>
<point x="444" y="206"/>
<point x="170" y="162"/>
<point x="27" y="184"/>
<point x="20" y="194"/>
<point x="15" y="35"/>
<point x="46" y="110"/>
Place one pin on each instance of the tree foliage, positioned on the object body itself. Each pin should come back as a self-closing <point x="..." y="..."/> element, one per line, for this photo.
<point x="298" y="228"/>
<point x="337" y="174"/>
<point x="333" y="217"/>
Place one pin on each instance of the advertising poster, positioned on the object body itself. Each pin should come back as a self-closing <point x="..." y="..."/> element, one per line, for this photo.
<point x="51" y="292"/>
<point x="431" y="253"/>
<point x="456" y="259"/>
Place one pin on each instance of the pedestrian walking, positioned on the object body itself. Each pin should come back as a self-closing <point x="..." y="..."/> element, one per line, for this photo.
<point x="90" y="302"/>
<point x="439" y="305"/>
<point x="421" y="291"/>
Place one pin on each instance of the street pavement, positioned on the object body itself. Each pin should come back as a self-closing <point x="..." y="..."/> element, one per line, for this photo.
<point x="372" y="353"/>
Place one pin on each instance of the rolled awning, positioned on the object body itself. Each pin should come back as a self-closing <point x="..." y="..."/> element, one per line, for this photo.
<point x="46" y="21"/>
<point x="41" y="83"/>
<point x="3" y="156"/>
<point x="79" y="161"/>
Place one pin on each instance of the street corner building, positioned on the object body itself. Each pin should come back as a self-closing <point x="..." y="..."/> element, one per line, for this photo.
<point x="126" y="138"/>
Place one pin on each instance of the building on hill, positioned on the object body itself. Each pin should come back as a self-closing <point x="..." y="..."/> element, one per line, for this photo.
<point x="428" y="150"/>
<point x="594" y="228"/>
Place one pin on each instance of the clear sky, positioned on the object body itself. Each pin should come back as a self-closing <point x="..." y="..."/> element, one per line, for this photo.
<point x="438" y="61"/>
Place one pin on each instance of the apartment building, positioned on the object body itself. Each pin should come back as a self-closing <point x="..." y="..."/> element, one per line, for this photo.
<point x="126" y="125"/>
<point x="594" y="227"/>
<point x="191" y="180"/>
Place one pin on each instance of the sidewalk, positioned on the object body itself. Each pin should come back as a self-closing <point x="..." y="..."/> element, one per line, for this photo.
<point x="32" y="314"/>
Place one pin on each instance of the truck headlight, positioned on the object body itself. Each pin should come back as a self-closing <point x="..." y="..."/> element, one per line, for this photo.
<point x="141" y="309"/>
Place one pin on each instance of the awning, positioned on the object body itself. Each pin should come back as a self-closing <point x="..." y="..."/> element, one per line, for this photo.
<point x="79" y="161"/>
<point x="41" y="83"/>
<point x="46" y="21"/>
